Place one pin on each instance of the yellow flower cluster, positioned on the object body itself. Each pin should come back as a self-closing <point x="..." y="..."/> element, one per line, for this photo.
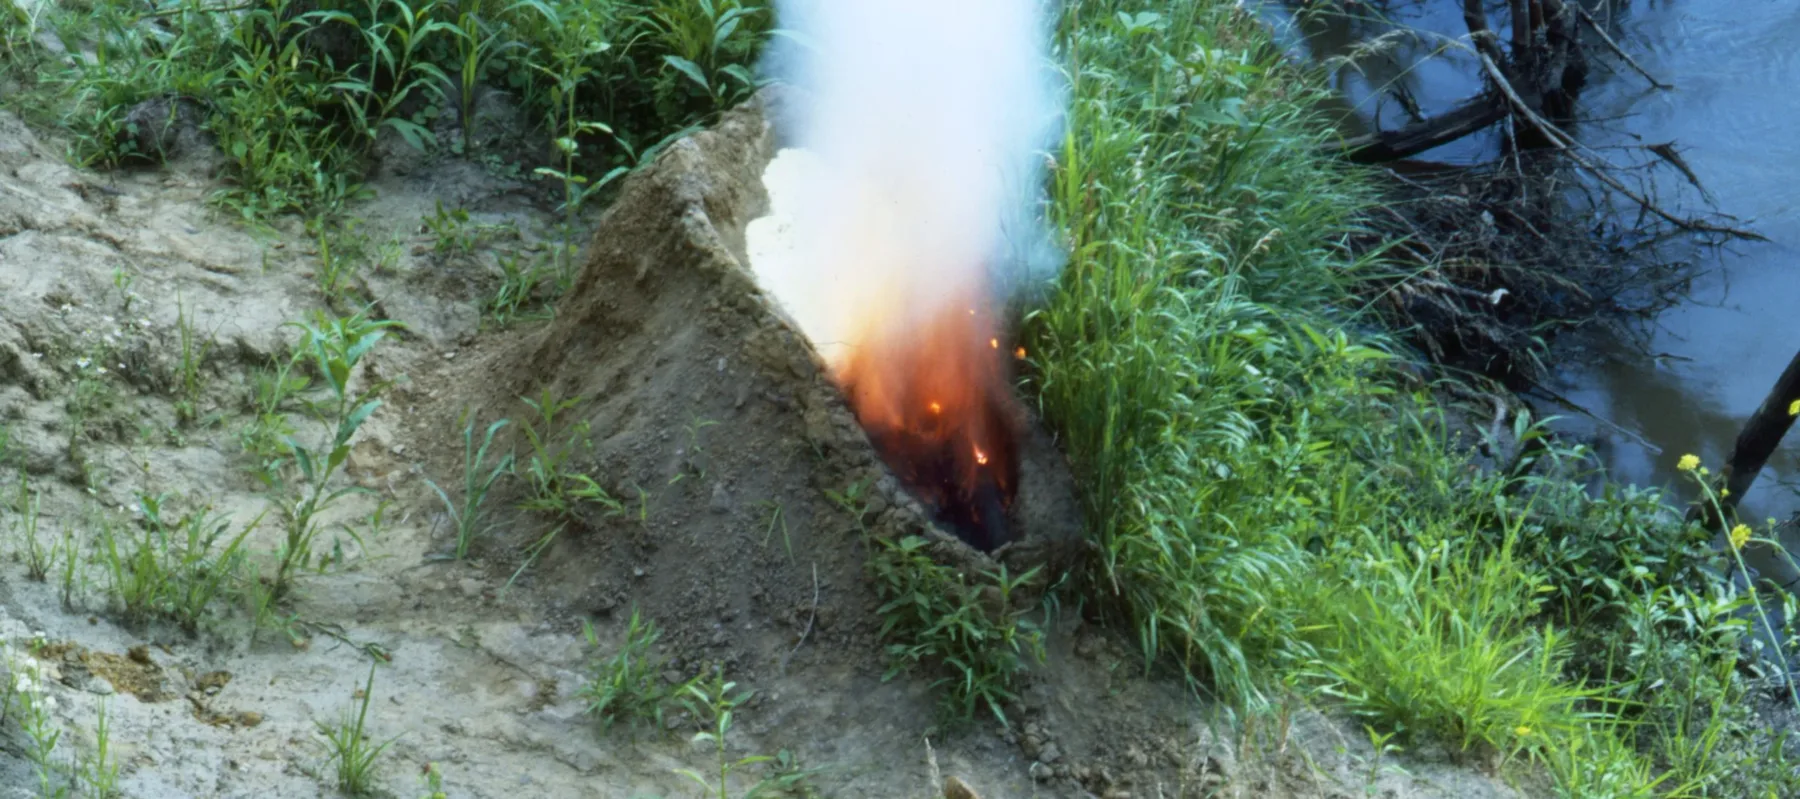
<point x="1740" y="535"/>
<point x="1688" y="463"/>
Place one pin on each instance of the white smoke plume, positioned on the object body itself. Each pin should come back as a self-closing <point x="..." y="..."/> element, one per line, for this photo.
<point x="915" y="174"/>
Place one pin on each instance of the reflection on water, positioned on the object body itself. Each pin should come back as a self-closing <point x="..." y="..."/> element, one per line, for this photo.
<point x="1695" y="373"/>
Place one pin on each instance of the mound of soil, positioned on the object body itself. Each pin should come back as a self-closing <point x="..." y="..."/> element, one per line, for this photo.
<point x="701" y="395"/>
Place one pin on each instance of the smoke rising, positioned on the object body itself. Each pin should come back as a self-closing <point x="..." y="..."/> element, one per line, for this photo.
<point x="914" y="175"/>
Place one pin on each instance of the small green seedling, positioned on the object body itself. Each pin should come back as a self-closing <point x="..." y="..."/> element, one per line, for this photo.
<point x="469" y="517"/>
<point x="348" y="746"/>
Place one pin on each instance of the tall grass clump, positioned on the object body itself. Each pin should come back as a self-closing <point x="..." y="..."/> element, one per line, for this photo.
<point x="1274" y="509"/>
<point x="1208" y="405"/>
<point x="297" y="93"/>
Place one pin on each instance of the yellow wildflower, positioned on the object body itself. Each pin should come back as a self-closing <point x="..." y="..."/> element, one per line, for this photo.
<point x="1794" y="408"/>
<point x="1521" y="731"/>
<point x="1688" y="462"/>
<point x="1740" y="535"/>
<point x="1724" y="492"/>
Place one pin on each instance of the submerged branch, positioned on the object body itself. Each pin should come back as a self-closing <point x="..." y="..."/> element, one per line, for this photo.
<point x="1473" y="116"/>
<point x="1755" y="443"/>
<point x="1595" y="26"/>
<point x="1567" y="145"/>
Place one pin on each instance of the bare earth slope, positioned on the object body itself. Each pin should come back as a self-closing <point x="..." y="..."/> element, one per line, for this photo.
<point x="708" y="415"/>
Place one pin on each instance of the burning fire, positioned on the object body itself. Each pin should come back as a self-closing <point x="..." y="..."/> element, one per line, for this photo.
<point x="916" y="168"/>
<point x="938" y="407"/>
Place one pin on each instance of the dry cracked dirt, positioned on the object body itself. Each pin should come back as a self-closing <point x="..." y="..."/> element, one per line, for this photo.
<point x="708" y="417"/>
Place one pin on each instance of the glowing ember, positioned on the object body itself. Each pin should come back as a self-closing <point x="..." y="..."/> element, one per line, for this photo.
<point x="958" y="456"/>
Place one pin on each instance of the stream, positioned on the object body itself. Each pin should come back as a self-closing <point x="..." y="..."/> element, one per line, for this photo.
<point x="1689" y="377"/>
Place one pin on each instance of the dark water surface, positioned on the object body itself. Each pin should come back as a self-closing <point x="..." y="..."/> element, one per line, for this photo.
<point x="1689" y="379"/>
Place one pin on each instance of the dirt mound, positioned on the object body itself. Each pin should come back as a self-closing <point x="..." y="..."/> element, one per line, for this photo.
<point x="708" y="410"/>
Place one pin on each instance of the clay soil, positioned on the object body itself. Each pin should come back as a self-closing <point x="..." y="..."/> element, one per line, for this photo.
<point x="710" y="419"/>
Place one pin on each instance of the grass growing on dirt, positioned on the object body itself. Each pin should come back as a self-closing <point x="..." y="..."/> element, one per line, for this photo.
<point x="299" y="92"/>
<point x="348" y="747"/>
<point x="1273" y="508"/>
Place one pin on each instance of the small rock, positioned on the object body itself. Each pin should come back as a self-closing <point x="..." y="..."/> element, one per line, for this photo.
<point x="1041" y="772"/>
<point x="1135" y="757"/>
<point x="1032" y="745"/>
<point x="955" y="788"/>
<point x="1088" y="646"/>
<point x="1050" y="754"/>
<point x="721" y="501"/>
<point x="249" y="718"/>
<point x="470" y="587"/>
<point x="672" y="677"/>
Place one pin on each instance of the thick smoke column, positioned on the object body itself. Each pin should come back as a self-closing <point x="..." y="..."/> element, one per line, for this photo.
<point x="921" y="127"/>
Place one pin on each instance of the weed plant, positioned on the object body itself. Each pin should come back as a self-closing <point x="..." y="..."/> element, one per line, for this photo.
<point x="942" y="620"/>
<point x="172" y="567"/>
<point x="629" y="686"/>
<point x="348" y="747"/>
<point x="469" y="517"/>
<point x="555" y="485"/>
<point x="333" y="347"/>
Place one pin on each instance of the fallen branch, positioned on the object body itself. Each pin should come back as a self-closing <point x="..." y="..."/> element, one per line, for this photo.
<point x="1566" y="143"/>
<point x="1473" y="116"/>
<point x="1617" y="50"/>
<point x="1755" y="443"/>
<point x="809" y="622"/>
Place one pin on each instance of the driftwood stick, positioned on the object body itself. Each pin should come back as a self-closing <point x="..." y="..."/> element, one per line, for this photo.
<point x="1617" y="50"/>
<point x="1755" y="443"/>
<point x="1473" y="116"/>
<point x="1562" y="141"/>
<point x="1475" y="18"/>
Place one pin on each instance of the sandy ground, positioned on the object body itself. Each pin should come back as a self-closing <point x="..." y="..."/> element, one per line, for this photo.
<point x="662" y="331"/>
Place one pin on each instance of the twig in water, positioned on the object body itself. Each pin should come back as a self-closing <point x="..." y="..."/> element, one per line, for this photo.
<point x="1617" y="50"/>
<point x="1567" y="145"/>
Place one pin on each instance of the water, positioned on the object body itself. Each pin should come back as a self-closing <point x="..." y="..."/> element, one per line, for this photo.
<point x="1690" y="378"/>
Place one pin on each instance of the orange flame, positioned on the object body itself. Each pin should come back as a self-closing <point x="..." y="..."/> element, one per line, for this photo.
<point x="938" y="406"/>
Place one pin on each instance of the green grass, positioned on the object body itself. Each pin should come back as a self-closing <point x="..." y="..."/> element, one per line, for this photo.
<point x="1273" y="510"/>
<point x="973" y="642"/>
<point x="349" y="749"/>
<point x="469" y="515"/>
<point x="297" y="101"/>
<point x="629" y="685"/>
<point x="172" y="567"/>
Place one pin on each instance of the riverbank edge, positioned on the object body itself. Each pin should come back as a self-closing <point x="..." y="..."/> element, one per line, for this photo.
<point x="1149" y="423"/>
